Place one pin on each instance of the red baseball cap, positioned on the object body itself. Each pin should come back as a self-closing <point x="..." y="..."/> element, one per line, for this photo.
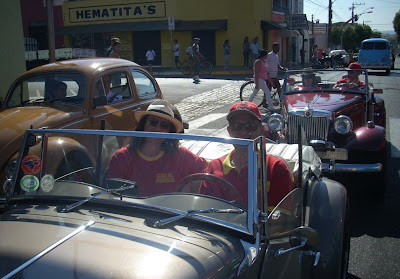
<point x="244" y="107"/>
<point x="354" y="66"/>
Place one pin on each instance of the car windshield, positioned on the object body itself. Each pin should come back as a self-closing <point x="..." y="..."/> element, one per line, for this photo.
<point x="325" y="80"/>
<point x="91" y="170"/>
<point x="68" y="88"/>
<point x="80" y="167"/>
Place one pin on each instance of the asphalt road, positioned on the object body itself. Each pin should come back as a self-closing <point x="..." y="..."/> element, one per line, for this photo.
<point x="375" y="225"/>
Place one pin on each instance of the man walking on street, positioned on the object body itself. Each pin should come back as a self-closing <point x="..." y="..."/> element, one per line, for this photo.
<point x="273" y="66"/>
<point x="196" y="58"/>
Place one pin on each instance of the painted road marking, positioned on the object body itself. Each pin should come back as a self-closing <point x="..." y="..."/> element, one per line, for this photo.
<point x="205" y="119"/>
<point x="394" y="124"/>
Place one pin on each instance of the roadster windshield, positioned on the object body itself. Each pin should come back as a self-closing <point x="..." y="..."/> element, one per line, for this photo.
<point x="80" y="167"/>
<point x="314" y="80"/>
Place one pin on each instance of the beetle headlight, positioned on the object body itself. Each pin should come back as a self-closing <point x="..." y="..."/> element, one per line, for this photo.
<point x="275" y="122"/>
<point x="10" y="169"/>
<point x="343" y="125"/>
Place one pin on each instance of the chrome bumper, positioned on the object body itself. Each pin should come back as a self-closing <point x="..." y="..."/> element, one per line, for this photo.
<point x="340" y="167"/>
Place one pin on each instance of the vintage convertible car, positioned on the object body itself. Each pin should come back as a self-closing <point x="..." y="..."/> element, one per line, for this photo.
<point x="72" y="94"/>
<point x="59" y="224"/>
<point x="345" y="124"/>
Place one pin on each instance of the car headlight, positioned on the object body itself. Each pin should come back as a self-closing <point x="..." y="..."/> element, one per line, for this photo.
<point x="343" y="125"/>
<point x="275" y="122"/>
<point x="10" y="169"/>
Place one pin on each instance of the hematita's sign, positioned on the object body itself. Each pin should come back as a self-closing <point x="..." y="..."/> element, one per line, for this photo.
<point x="117" y="12"/>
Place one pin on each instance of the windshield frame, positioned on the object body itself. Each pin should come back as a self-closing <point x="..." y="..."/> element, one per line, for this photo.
<point x="251" y="145"/>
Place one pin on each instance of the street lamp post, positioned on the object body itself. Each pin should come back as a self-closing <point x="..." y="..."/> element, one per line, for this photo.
<point x="357" y="16"/>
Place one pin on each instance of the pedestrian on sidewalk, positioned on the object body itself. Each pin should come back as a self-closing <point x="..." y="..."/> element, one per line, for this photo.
<point x="260" y="79"/>
<point x="150" y="55"/>
<point x="114" y="49"/>
<point x="273" y="66"/>
<point x="227" y="52"/>
<point x="177" y="52"/>
<point x="246" y="51"/>
<point x="255" y="50"/>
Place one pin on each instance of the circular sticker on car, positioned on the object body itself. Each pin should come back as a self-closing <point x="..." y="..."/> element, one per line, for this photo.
<point x="31" y="164"/>
<point x="29" y="183"/>
<point x="47" y="183"/>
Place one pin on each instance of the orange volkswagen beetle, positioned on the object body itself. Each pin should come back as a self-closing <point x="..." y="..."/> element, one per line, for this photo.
<point x="74" y="94"/>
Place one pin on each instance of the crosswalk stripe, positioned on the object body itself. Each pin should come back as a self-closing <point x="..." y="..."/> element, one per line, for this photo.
<point x="205" y="119"/>
<point x="394" y="125"/>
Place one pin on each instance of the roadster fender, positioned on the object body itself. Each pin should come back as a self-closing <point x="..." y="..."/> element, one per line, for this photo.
<point x="326" y="202"/>
<point x="367" y="138"/>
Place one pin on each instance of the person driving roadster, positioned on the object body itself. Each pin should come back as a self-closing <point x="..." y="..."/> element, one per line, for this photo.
<point x="352" y="79"/>
<point x="245" y="122"/>
<point x="155" y="164"/>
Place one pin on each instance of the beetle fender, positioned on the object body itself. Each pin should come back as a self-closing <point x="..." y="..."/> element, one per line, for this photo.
<point x="327" y="203"/>
<point x="68" y="146"/>
<point x="369" y="139"/>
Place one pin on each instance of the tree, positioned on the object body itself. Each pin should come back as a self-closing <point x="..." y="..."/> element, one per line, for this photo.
<point x="353" y="35"/>
<point x="396" y="25"/>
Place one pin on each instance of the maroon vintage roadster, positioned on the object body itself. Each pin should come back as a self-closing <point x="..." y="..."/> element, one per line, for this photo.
<point x="343" y="121"/>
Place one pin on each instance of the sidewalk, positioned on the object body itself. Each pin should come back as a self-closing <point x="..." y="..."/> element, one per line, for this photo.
<point x="218" y="71"/>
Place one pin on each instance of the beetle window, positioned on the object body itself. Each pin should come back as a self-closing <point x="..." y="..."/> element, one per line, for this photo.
<point x="145" y="87"/>
<point x="64" y="87"/>
<point x="114" y="86"/>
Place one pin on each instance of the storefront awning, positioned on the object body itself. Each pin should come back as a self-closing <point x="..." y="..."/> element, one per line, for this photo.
<point x="270" y="25"/>
<point x="180" y="25"/>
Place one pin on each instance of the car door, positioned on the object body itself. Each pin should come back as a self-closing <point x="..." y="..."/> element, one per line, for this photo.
<point x="116" y="98"/>
<point x="285" y="217"/>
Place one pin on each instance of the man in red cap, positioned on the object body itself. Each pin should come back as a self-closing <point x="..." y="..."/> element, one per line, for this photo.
<point x="245" y="122"/>
<point x="351" y="80"/>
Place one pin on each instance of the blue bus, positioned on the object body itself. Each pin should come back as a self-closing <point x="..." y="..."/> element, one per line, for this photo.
<point x="376" y="54"/>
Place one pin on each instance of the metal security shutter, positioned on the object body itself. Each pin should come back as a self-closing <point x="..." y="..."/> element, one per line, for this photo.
<point x="142" y="40"/>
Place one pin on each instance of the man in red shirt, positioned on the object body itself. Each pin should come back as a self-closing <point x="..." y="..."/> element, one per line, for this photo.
<point x="245" y="122"/>
<point x="352" y="79"/>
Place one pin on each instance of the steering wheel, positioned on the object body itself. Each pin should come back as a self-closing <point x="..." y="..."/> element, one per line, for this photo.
<point x="213" y="178"/>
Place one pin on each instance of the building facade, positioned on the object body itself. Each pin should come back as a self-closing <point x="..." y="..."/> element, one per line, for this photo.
<point x="144" y="24"/>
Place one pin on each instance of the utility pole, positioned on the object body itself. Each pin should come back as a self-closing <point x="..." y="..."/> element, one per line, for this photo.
<point x="329" y="24"/>
<point x="353" y="6"/>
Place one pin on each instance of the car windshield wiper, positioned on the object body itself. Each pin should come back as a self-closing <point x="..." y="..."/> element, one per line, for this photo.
<point x="68" y="208"/>
<point x="192" y="212"/>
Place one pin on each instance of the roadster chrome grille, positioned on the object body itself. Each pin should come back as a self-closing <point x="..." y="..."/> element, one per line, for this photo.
<point x="315" y="124"/>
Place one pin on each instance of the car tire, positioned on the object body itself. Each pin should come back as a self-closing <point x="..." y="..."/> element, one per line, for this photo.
<point x="344" y="265"/>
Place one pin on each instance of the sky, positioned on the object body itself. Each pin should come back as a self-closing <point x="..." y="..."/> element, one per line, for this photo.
<point x="381" y="19"/>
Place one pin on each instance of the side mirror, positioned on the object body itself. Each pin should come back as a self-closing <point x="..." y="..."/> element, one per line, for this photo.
<point x="99" y="101"/>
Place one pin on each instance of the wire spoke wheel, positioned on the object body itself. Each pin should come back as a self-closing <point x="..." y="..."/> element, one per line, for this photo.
<point x="186" y="68"/>
<point x="206" y="68"/>
<point x="247" y="89"/>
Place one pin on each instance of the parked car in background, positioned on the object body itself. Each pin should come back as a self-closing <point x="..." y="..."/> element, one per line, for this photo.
<point x="345" y="125"/>
<point x="376" y="54"/>
<point x="340" y="54"/>
<point x="72" y="94"/>
<point x="355" y="56"/>
<point x="82" y="225"/>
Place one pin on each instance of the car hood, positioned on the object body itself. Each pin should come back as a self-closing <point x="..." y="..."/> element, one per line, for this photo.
<point x="110" y="248"/>
<point x="331" y="101"/>
<point x="14" y="122"/>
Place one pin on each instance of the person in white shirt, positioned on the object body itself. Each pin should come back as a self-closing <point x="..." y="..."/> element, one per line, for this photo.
<point x="177" y="52"/>
<point x="255" y="50"/>
<point x="273" y="66"/>
<point x="150" y="55"/>
<point x="105" y="82"/>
